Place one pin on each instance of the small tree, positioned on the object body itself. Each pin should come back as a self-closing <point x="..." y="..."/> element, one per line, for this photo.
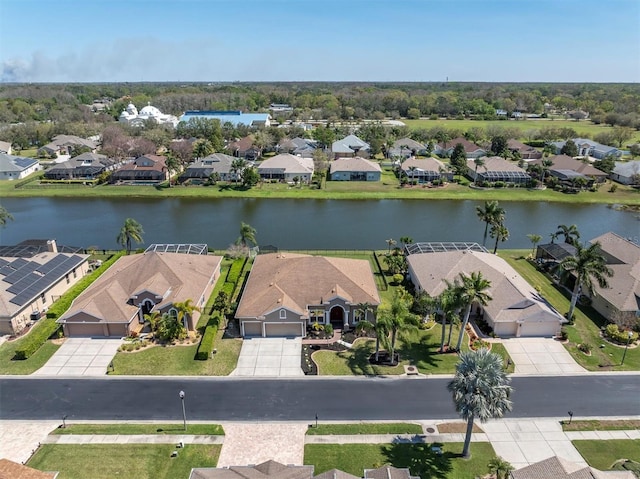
<point x="500" y="467"/>
<point x="4" y="216"/>
<point x="131" y="231"/>
<point x="569" y="149"/>
<point x="247" y="235"/>
<point x="535" y="239"/>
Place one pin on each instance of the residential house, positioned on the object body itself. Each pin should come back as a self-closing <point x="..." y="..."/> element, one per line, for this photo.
<point x="245" y="148"/>
<point x="495" y="169"/>
<point x="471" y="149"/>
<point x="17" y="167"/>
<point x="138" y="284"/>
<point x="566" y="169"/>
<point x="235" y="117"/>
<point x="516" y="308"/>
<point x="147" y="169"/>
<point x="354" y="169"/>
<point x="350" y="145"/>
<point x="588" y="147"/>
<point x="425" y="170"/>
<point x="30" y="284"/>
<point x="220" y="163"/>
<point x="286" y="167"/>
<point x="65" y="145"/>
<point x="558" y="468"/>
<point x="406" y="147"/>
<point x="15" y="470"/>
<point x="501" y="112"/>
<point x="86" y="166"/>
<point x="285" y="292"/>
<point x="298" y="146"/>
<point x="626" y="172"/>
<point x="527" y="153"/>
<point x="5" y="147"/>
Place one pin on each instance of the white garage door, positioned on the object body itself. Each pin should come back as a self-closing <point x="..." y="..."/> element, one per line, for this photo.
<point x="277" y="330"/>
<point x="539" y="329"/>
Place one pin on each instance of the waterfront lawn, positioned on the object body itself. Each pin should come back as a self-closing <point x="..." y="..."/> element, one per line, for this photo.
<point x="106" y="461"/>
<point x="26" y="366"/>
<point x="179" y="360"/>
<point x="364" y="428"/>
<point x="603" y="454"/>
<point x="586" y="328"/>
<point x="419" y="458"/>
<point x="127" y="429"/>
<point x="601" y="425"/>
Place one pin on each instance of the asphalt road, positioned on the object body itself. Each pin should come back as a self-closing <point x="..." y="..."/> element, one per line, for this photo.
<point x="230" y="399"/>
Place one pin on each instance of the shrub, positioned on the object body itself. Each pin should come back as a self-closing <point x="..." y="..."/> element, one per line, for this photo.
<point x="564" y="335"/>
<point x="234" y="272"/>
<point x="36" y="338"/>
<point x="228" y="289"/>
<point x="479" y="344"/>
<point x="328" y="330"/>
<point x="317" y="326"/>
<point x="614" y="334"/>
<point x="584" y="347"/>
<point x="613" y="188"/>
<point x="428" y="324"/>
<point x="206" y="343"/>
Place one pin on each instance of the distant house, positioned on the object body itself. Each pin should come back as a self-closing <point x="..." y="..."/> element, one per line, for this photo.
<point x="17" y="167"/>
<point x="516" y="308"/>
<point x="216" y="163"/>
<point x="65" y="144"/>
<point x="5" y="147"/>
<point x="526" y="152"/>
<point x="280" y="108"/>
<point x="85" y="166"/>
<point x="497" y="169"/>
<point x="245" y="148"/>
<point x="406" y="147"/>
<point x="144" y="169"/>
<point x="588" y="147"/>
<point x="354" y="169"/>
<point x="298" y="146"/>
<point x="425" y="170"/>
<point x="566" y="168"/>
<point x="350" y="145"/>
<point x="286" y="167"/>
<point x="625" y="171"/>
<point x="501" y="112"/>
<point x="235" y="117"/>
<point x="471" y="149"/>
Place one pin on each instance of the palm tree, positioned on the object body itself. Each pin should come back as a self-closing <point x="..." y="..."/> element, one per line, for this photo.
<point x="478" y="162"/>
<point x="391" y="242"/>
<point x="185" y="311"/>
<point x="480" y="389"/>
<point x="500" y="232"/>
<point x="247" y="235"/>
<point x="491" y="213"/>
<point x="202" y="148"/>
<point x="381" y="330"/>
<point x="363" y="308"/>
<point x="473" y="289"/>
<point x="546" y="165"/>
<point x="446" y="305"/>
<point x="4" y="216"/>
<point x="501" y="467"/>
<point x="554" y="237"/>
<point x="570" y="233"/>
<point x="131" y="231"/>
<point x="237" y="166"/>
<point x="405" y="240"/>
<point x="535" y="239"/>
<point x="173" y="166"/>
<point x="587" y="264"/>
<point x="396" y="316"/>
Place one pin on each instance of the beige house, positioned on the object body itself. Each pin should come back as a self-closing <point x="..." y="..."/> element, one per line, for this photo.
<point x="425" y="170"/>
<point x="29" y="285"/>
<point x="115" y="304"/>
<point x="516" y="308"/>
<point x="354" y="169"/>
<point x="286" y="167"/>
<point x="287" y="291"/>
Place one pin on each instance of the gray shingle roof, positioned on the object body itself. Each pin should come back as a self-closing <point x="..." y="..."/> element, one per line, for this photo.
<point x="355" y="164"/>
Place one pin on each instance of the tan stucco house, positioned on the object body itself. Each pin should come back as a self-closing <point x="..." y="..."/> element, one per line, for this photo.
<point x="115" y="304"/>
<point x="286" y="291"/>
<point x="516" y="308"/>
<point x="354" y="169"/>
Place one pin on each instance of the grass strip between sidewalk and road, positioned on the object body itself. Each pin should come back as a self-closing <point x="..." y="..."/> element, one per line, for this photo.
<point x="366" y="428"/>
<point x="126" y="429"/>
<point x="601" y="425"/>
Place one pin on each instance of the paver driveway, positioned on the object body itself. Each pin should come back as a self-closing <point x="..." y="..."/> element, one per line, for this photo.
<point x="81" y="357"/>
<point x="273" y="357"/>
<point x="540" y="356"/>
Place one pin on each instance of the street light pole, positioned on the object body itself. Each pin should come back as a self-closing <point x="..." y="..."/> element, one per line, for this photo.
<point x="630" y="334"/>
<point x="184" y="413"/>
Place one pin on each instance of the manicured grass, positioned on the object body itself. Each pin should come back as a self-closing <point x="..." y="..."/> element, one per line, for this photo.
<point x="419" y="458"/>
<point x="586" y="328"/>
<point x="604" y="425"/>
<point x="179" y="360"/>
<point x="26" y="366"/>
<point x="365" y="428"/>
<point x="108" y="429"/>
<point x="106" y="461"/>
<point x="603" y="454"/>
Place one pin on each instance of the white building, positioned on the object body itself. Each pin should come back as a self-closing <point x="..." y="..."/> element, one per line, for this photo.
<point x="135" y="118"/>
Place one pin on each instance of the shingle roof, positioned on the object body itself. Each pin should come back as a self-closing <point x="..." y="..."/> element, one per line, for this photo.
<point x="217" y="162"/>
<point x="627" y="168"/>
<point x="349" y="144"/>
<point x="336" y="474"/>
<point x="422" y="164"/>
<point x="5" y="146"/>
<point x="468" y="146"/>
<point x="296" y="281"/>
<point x="354" y="164"/>
<point x="409" y="143"/>
<point x="495" y="163"/>
<point x="564" y="162"/>
<point x="265" y="470"/>
<point x="15" y="163"/>
<point x="288" y="163"/>
<point x="559" y="468"/>
<point x="13" y="470"/>
<point x="387" y="472"/>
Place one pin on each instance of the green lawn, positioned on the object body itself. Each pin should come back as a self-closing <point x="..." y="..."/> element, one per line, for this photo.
<point x="601" y="425"/>
<point x="603" y="454"/>
<point x="419" y="458"/>
<point x="365" y="428"/>
<point x="26" y="366"/>
<point x="106" y="461"/>
<point x="108" y="429"/>
<point x="586" y="328"/>
<point x="179" y="360"/>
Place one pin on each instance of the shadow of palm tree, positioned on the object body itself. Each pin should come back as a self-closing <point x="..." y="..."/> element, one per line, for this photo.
<point x="421" y="460"/>
<point x="423" y="354"/>
<point x="358" y="360"/>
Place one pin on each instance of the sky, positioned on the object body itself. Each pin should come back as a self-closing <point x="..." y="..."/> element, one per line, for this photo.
<point x="320" y="40"/>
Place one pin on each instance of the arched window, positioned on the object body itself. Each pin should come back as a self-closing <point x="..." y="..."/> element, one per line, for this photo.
<point x="173" y="312"/>
<point x="283" y="314"/>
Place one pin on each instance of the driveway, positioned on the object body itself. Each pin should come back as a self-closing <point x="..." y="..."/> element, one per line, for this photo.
<point x="272" y="357"/>
<point x="81" y="357"/>
<point x="540" y="356"/>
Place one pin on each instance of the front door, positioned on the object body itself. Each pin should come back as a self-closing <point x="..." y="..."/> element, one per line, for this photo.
<point x="336" y="317"/>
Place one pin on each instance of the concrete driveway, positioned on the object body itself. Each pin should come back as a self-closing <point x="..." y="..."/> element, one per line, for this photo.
<point x="81" y="357"/>
<point x="540" y="356"/>
<point x="270" y="357"/>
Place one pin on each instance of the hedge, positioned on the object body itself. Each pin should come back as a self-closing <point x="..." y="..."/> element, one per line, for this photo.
<point x="233" y="275"/>
<point x="228" y="288"/>
<point x="206" y="343"/>
<point x="36" y="338"/>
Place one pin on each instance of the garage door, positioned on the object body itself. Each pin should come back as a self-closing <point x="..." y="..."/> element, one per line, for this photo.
<point x="252" y="328"/>
<point x="274" y="330"/>
<point x="85" y="329"/>
<point x="541" y="329"/>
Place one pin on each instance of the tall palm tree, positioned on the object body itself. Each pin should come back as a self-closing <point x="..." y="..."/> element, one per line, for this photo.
<point x="202" y="148"/>
<point x="131" y="231"/>
<point x="397" y="317"/>
<point x="247" y="235"/>
<point x="535" y="239"/>
<point x="587" y="264"/>
<point x="554" y="237"/>
<point x="500" y="232"/>
<point x="473" y="290"/>
<point x="546" y="164"/>
<point x="363" y="309"/>
<point x="570" y="233"/>
<point x="381" y="330"/>
<point x="391" y="242"/>
<point x="185" y="311"/>
<point x="491" y="213"/>
<point x="4" y="216"/>
<point x="447" y="303"/>
<point x="477" y="162"/>
<point x="480" y="389"/>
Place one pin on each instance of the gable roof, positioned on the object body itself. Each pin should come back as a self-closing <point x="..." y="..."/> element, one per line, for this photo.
<point x="468" y="146"/>
<point x="243" y="144"/>
<point x="296" y="281"/>
<point x="217" y="162"/>
<point x="409" y="143"/>
<point x="14" y="470"/>
<point x="5" y="146"/>
<point x="495" y="163"/>
<point x="69" y="140"/>
<point x="422" y="164"/>
<point x="288" y="163"/>
<point x="388" y="472"/>
<point x="158" y="163"/>
<point x="175" y="277"/>
<point x="349" y="144"/>
<point x="559" y="468"/>
<point x="354" y="164"/>
<point x="265" y="470"/>
<point x="564" y="162"/>
<point x="15" y="163"/>
<point x="627" y="168"/>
